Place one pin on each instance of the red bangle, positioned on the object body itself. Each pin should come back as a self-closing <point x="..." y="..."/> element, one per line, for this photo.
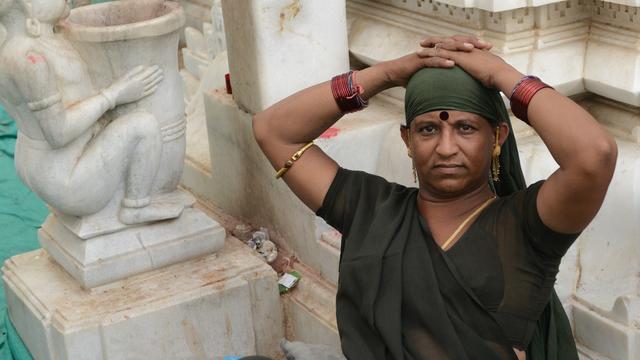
<point x="522" y="94"/>
<point x="347" y="92"/>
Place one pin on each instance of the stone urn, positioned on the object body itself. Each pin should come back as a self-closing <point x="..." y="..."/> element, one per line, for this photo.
<point x="114" y="37"/>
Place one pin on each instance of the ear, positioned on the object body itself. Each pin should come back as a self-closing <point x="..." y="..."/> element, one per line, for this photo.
<point x="504" y="132"/>
<point x="404" y="133"/>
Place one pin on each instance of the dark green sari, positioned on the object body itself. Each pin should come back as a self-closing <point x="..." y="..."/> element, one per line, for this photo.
<point x="401" y="297"/>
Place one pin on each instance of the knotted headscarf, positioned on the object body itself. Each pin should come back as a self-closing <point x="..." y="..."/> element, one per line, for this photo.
<point x="432" y="89"/>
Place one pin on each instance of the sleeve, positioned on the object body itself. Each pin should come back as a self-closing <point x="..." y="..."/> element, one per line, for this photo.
<point x="548" y="243"/>
<point x="353" y="196"/>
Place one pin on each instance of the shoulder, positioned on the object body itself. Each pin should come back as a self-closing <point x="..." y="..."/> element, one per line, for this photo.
<point x="25" y="59"/>
<point x="517" y="215"/>
<point x="369" y="187"/>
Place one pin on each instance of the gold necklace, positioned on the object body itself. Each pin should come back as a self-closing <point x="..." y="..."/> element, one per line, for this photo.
<point x="464" y="223"/>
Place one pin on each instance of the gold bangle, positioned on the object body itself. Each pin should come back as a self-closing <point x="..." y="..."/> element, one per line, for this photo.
<point x="294" y="158"/>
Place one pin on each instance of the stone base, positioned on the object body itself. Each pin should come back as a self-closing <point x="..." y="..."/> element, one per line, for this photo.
<point x="204" y="308"/>
<point x="133" y="250"/>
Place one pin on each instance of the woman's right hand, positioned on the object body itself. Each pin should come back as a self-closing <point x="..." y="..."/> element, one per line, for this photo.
<point x="400" y="70"/>
<point x="141" y="81"/>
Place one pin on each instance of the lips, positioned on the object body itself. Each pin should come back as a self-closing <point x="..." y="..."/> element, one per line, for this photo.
<point x="447" y="166"/>
<point x="448" y="169"/>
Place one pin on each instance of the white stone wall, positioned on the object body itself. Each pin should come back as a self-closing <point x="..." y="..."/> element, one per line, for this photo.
<point x="579" y="46"/>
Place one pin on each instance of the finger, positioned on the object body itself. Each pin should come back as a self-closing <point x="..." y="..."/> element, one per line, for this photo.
<point x="438" y="62"/>
<point x="135" y="71"/>
<point x="149" y="91"/>
<point x="431" y="41"/>
<point x="152" y="76"/>
<point x="455" y="45"/>
<point x="480" y="44"/>
<point x="433" y="52"/>
<point x="153" y="83"/>
<point x="149" y="73"/>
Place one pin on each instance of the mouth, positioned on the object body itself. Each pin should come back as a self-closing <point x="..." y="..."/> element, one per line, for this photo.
<point x="447" y="166"/>
<point x="448" y="169"/>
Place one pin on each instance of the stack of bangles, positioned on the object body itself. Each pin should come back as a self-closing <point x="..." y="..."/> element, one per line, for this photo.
<point x="522" y="94"/>
<point x="348" y="96"/>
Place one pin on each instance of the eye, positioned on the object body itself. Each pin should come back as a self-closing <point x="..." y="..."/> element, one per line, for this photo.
<point x="466" y="128"/>
<point x="428" y="129"/>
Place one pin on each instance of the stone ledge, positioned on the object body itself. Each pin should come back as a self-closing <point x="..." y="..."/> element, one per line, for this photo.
<point x="207" y="307"/>
<point x="578" y="38"/>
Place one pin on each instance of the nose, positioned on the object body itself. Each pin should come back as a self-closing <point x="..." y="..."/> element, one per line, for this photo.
<point x="447" y="145"/>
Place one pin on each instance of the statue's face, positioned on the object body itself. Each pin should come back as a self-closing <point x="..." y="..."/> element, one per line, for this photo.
<point x="49" y="11"/>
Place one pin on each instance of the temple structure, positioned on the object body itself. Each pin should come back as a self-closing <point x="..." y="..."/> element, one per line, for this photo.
<point x="81" y="297"/>
<point x="587" y="49"/>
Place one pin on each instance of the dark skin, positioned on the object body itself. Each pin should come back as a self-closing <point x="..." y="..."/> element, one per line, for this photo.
<point x="455" y="167"/>
<point x="567" y="201"/>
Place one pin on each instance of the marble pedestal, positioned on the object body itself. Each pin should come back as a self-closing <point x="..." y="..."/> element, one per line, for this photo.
<point x="100" y="251"/>
<point x="206" y="308"/>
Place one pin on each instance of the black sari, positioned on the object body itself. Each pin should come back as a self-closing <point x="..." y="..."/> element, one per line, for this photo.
<point x="401" y="297"/>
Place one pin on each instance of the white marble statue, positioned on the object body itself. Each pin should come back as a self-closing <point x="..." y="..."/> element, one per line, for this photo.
<point x="68" y="152"/>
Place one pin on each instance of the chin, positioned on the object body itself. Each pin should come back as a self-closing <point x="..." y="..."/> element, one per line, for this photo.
<point x="448" y="186"/>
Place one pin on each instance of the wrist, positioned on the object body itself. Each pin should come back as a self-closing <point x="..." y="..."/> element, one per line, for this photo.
<point x="388" y="76"/>
<point x="506" y="79"/>
<point x="109" y="97"/>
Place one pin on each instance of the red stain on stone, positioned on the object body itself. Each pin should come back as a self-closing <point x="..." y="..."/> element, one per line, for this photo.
<point x="35" y="58"/>
<point x="331" y="132"/>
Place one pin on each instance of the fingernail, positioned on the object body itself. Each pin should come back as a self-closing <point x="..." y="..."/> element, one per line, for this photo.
<point x="482" y="42"/>
<point x="468" y="44"/>
<point x="449" y="62"/>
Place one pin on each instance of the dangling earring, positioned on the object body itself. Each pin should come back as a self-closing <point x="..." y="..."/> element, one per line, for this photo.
<point x="415" y="174"/>
<point x="413" y="165"/>
<point x="495" y="162"/>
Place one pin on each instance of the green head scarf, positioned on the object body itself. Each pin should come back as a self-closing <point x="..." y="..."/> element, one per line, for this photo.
<point x="432" y="89"/>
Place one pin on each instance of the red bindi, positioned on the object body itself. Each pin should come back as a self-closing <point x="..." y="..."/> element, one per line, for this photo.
<point x="444" y="116"/>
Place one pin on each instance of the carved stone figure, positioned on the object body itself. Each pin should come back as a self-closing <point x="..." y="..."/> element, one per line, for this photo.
<point x="98" y="101"/>
<point x="67" y="151"/>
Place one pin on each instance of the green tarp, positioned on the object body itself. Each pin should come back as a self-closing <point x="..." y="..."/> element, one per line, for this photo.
<point x="21" y="213"/>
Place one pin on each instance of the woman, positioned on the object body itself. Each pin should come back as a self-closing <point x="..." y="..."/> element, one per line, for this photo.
<point x="448" y="271"/>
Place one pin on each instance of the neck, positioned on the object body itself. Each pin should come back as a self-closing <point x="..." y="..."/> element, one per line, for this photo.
<point x="14" y="21"/>
<point x="439" y="209"/>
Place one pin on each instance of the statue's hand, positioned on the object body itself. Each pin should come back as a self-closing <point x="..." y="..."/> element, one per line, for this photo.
<point x="141" y="81"/>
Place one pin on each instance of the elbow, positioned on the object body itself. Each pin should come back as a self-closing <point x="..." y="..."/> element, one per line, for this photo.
<point x="260" y="128"/>
<point x="600" y="162"/>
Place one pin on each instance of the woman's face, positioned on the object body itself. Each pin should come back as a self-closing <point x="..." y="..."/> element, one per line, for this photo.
<point x="452" y="152"/>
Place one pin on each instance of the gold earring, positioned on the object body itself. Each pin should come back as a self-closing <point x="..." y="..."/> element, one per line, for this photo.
<point x="415" y="174"/>
<point x="495" y="162"/>
<point x="413" y="165"/>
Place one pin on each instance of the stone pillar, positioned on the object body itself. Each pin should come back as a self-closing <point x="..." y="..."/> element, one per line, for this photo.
<point x="273" y="44"/>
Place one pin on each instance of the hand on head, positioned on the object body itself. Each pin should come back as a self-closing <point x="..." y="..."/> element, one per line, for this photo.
<point x="434" y="51"/>
<point x="473" y="56"/>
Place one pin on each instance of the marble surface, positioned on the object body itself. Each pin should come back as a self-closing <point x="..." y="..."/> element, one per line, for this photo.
<point x="598" y="279"/>
<point x="214" y="306"/>
<point x="98" y="106"/>
<point x="101" y="117"/>
<point x="106" y="258"/>
<point x="272" y="44"/>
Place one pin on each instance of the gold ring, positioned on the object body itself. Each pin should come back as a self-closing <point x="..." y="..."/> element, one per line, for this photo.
<point x="436" y="47"/>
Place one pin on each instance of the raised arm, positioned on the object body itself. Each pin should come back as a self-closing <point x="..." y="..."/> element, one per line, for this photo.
<point x="287" y="126"/>
<point x="585" y="152"/>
